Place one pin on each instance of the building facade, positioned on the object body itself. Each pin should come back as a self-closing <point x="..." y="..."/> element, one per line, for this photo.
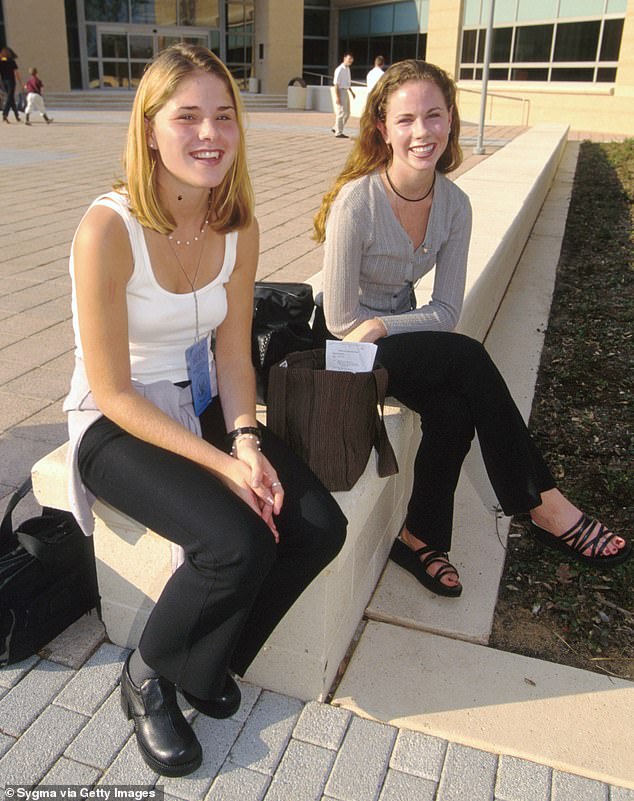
<point x="559" y="60"/>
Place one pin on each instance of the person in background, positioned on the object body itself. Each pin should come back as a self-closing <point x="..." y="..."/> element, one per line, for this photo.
<point x="34" y="100"/>
<point x="10" y="76"/>
<point x="343" y="84"/>
<point x="375" y="73"/>
<point x="391" y="217"/>
<point x="163" y="428"/>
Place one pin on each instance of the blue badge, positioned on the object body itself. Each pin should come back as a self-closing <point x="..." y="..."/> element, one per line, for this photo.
<point x="197" y="359"/>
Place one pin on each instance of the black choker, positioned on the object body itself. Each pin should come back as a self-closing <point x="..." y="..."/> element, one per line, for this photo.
<point x="410" y="199"/>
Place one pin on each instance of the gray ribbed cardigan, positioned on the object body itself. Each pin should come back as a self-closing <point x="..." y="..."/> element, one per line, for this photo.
<point x="370" y="264"/>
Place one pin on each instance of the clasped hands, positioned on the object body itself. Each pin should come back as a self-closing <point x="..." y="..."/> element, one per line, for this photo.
<point x="254" y="479"/>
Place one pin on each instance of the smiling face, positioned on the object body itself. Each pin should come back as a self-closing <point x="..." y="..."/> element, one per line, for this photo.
<point x="417" y="124"/>
<point x="195" y="134"/>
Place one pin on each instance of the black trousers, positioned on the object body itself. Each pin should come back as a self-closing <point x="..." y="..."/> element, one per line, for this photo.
<point x="236" y="584"/>
<point x="9" y="103"/>
<point x="455" y="387"/>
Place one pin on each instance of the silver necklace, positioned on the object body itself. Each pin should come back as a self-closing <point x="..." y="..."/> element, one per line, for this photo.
<point x="410" y="199"/>
<point x="191" y="281"/>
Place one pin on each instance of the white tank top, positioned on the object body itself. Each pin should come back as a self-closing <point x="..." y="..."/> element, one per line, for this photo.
<point x="162" y="324"/>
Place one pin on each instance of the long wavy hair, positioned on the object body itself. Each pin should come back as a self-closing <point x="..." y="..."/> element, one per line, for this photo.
<point x="370" y="151"/>
<point x="232" y="200"/>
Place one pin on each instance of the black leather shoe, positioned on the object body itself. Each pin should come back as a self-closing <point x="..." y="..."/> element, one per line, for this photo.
<point x="166" y="740"/>
<point x="223" y="706"/>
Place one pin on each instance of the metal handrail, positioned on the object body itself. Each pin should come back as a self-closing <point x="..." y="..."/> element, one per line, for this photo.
<point x="525" y="101"/>
<point x="331" y="78"/>
<point x="319" y="75"/>
<point x="492" y="94"/>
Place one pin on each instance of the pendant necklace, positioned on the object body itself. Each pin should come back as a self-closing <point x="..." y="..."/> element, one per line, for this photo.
<point x="191" y="281"/>
<point x="410" y="199"/>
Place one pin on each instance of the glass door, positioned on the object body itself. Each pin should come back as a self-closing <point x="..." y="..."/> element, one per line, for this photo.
<point x="122" y="53"/>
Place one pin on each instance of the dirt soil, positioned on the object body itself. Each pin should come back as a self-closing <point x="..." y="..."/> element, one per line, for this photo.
<point x="549" y="606"/>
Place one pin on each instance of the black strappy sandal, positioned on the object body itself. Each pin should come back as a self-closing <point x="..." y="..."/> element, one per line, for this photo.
<point x="586" y="533"/>
<point x="410" y="560"/>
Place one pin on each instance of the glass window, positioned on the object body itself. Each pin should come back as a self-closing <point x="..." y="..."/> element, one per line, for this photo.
<point x="316" y="22"/>
<point x="524" y="74"/>
<point x="504" y="11"/>
<point x="380" y="46"/>
<point x="404" y="46"/>
<point x="343" y="24"/>
<point x="611" y="41"/>
<point x="405" y="17"/>
<point x="93" y="75"/>
<point x="468" y="46"/>
<point x="315" y="52"/>
<point x="577" y="41"/>
<point x="106" y="10"/>
<point x="203" y="14"/>
<point x="501" y="49"/>
<point x="422" y="46"/>
<point x="481" y="44"/>
<point x="141" y="47"/>
<point x="136" y="72"/>
<point x="143" y="11"/>
<point x="580" y="8"/>
<point x="114" y="45"/>
<point x="499" y="74"/>
<point x="606" y="74"/>
<point x="237" y="48"/>
<point x="91" y="41"/>
<point x="466" y="74"/>
<point x="115" y="74"/>
<point x="471" y="13"/>
<point x="572" y="74"/>
<point x="423" y="18"/>
<point x="532" y="43"/>
<point x="536" y="9"/>
<point x="235" y="14"/>
<point x="359" y="49"/>
<point x="382" y="19"/>
<point x="165" y="11"/>
<point x="358" y="21"/>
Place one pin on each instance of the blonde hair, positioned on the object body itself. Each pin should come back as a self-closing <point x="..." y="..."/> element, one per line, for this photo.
<point x="232" y="200"/>
<point x="370" y="151"/>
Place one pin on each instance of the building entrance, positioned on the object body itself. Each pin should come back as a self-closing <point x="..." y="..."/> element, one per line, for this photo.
<point x="121" y="52"/>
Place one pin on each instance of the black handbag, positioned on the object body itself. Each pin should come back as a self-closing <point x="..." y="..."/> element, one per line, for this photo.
<point x="281" y="324"/>
<point x="48" y="578"/>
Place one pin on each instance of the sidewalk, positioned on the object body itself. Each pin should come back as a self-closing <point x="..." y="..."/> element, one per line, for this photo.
<point x="60" y="720"/>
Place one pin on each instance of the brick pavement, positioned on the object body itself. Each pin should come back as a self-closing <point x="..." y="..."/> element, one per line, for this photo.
<point x="60" y="719"/>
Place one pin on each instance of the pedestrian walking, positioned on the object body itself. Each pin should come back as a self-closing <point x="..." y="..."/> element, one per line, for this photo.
<point x="34" y="100"/>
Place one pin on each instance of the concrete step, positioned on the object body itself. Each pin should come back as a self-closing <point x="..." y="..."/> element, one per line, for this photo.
<point x="121" y="100"/>
<point x="570" y="719"/>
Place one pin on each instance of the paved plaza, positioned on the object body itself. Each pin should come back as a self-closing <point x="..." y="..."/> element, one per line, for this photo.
<point x="60" y="718"/>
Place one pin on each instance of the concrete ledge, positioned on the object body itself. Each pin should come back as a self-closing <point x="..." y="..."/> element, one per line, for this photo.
<point x="303" y="654"/>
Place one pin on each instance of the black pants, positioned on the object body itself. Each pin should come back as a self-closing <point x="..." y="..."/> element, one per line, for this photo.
<point x="455" y="387"/>
<point x="9" y="103"/>
<point x="219" y="607"/>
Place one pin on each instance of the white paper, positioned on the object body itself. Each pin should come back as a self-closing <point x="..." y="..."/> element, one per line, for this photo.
<point x="350" y="357"/>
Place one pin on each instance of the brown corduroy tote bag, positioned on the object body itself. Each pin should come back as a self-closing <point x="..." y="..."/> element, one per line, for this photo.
<point x="332" y="420"/>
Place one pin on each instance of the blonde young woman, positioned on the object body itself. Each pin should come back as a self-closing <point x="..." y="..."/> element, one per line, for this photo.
<point x="163" y="428"/>
<point x="391" y="217"/>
